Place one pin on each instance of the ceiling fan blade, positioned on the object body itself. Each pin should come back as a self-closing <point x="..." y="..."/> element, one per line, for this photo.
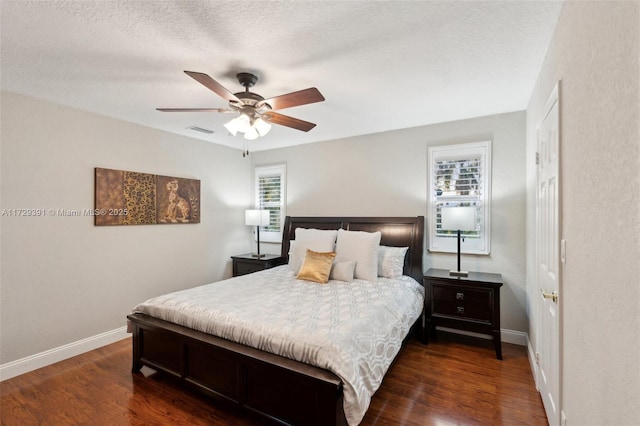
<point x="285" y="120"/>
<point x="212" y="85"/>
<point x="301" y="97"/>
<point x="193" y="109"/>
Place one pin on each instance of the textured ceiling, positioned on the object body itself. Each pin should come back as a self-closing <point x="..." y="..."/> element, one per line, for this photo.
<point x="380" y="65"/>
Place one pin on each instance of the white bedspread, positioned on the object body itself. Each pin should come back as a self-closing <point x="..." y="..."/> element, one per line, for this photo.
<point x="352" y="329"/>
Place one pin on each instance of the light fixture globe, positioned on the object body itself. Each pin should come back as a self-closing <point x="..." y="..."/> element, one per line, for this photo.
<point x="243" y="123"/>
<point x="232" y="127"/>
<point x="261" y="126"/>
<point x="239" y="124"/>
<point x="251" y="133"/>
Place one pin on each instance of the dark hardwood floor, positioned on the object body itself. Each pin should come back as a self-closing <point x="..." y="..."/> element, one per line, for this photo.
<point x="453" y="381"/>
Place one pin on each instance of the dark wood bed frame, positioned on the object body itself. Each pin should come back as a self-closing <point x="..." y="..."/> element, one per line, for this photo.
<point x="280" y="389"/>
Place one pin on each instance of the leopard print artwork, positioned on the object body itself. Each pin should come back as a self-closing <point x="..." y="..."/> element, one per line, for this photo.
<point x="133" y="198"/>
<point x="178" y="209"/>
<point x="139" y="193"/>
<point x="177" y="200"/>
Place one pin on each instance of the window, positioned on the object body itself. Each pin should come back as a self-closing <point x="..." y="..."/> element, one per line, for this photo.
<point x="270" y="194"/>
<point x="460" y="176"/>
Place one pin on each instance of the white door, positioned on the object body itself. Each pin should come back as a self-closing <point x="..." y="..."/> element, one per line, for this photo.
<point x="548" y="237"/>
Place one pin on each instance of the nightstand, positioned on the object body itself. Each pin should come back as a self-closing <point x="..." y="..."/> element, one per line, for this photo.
<point x="246" y="263"/>
<point x="469" y="303"/>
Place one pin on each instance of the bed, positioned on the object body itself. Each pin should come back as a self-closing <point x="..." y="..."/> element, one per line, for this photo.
<point x="276" y="387"/>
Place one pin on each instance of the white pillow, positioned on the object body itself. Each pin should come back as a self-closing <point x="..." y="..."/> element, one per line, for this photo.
<point x="343" y="271"/>
<point x="361" y="247"/>
<point x="319" y="240"/>
<point x="391" y="261"/>
<point x="292" y="244"/>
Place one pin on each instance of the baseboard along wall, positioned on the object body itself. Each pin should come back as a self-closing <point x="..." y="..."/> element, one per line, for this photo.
<point x="42" y="359"/>
<point x="519" y="338"/>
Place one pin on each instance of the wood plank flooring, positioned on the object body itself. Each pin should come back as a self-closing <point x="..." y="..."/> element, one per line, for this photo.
<point x="453" y="381"/>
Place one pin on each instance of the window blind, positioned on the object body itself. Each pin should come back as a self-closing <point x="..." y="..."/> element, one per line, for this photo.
<point x="460" y="176"/>
<point x="270" y="198"/>
<point x="458" y="183"/>
<point x="270" y="194"/>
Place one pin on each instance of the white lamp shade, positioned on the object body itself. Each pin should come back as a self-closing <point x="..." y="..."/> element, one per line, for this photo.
<point x="256" y="217"/>
<point x="231" y="127"/>
<point x="238" y="124"/>
<point x="251" y="133"/>
<point x="262" y="126"/>
<point x="458" y="218"/>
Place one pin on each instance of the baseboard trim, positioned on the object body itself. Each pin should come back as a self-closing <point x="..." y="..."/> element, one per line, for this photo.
<point x="42" y="359"/>
<point x="515" y="337"/>
<point x="533" y="363"/>
<point x="519" y="338"/>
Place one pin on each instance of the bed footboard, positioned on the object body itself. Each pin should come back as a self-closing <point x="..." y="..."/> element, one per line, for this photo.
<point x="278" y="388"/>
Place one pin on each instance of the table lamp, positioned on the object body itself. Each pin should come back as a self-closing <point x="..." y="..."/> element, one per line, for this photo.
<point x="257" y="218"/>
<point x="458" y="219"/>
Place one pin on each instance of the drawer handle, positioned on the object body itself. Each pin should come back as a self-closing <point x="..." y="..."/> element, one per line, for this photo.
<point x="460" y="310"/>
<point x="459" y="296"/>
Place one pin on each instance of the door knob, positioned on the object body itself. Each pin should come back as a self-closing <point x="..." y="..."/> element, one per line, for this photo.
<point x="553" y="295"/>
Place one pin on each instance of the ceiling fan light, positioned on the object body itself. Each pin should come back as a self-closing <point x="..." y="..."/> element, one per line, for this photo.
<point x="244" y="123"/>
<point x="239" y="124"/>
<point x="261" y="126"/>
<point x="232" y="127"/>
<point x="251" y="133"/>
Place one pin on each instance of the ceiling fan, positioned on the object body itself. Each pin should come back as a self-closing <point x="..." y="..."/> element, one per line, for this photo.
<point x="256" y="112"/>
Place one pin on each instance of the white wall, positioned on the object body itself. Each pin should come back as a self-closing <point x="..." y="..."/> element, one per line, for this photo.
<point x="62" y="278"/>
<point x="385" y="174"/>
<point x="594" y="52"/>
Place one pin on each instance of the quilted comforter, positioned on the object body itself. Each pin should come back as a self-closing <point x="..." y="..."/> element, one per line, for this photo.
<point x="354" y="329"/>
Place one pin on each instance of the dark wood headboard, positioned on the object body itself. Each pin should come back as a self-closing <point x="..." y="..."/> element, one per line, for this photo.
<point x="396" y="231"/>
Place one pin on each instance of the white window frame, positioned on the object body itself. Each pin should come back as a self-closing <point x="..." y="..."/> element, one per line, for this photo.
<point x="266" y="234"/>
<point x="475" y="242"/>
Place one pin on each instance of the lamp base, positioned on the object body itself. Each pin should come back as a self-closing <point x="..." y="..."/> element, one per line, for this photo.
<point x="459" y="273"/>
<point x="258" y="255"/>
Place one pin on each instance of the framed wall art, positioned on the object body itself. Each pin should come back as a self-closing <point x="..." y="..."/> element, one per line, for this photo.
<point x="133" y="198"/>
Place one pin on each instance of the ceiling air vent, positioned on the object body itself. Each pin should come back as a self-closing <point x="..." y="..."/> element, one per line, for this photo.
<point x="200" y="129"/>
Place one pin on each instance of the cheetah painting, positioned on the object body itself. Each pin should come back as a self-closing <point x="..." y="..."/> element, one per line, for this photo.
<point x="178" y="200"/>
<point x="133" y="198"/>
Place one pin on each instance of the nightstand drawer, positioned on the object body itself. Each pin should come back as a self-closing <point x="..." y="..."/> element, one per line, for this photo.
<point x="246" y="263"/>
<point x="463" y="302"/>
<point x="243" y="268"/>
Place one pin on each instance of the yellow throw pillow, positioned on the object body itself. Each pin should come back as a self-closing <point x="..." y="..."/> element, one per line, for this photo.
<point x="316" y="266"/>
